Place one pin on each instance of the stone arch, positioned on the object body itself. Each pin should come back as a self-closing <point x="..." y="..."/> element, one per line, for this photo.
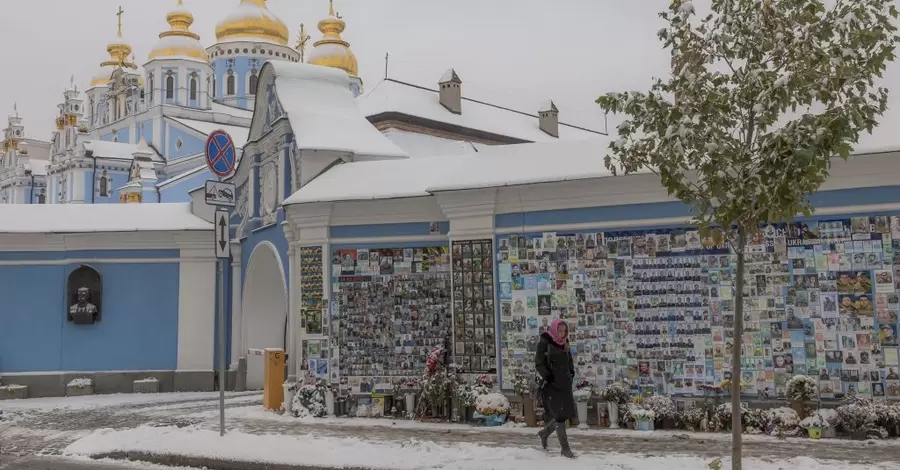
<point x="264" y="308"/>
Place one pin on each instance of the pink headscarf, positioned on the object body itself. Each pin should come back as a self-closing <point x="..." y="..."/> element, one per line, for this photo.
<point x="554" y="332"/>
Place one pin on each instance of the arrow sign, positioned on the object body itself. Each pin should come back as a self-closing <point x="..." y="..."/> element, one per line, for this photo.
<point x="223" y="248"/>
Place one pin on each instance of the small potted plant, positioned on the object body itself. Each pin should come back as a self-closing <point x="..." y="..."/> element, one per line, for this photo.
<point x="814" y="425"/>
<point x="801" y="389"/>
<point x="584" y="390"/>
<point x="643" y="418"/>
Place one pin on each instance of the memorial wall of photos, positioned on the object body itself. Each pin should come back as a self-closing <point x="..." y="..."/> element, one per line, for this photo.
<point x="313" y="308"/>
<point x="475" y="347"/>
<point x="657" y="307"/>
<point x="391" y="307"/>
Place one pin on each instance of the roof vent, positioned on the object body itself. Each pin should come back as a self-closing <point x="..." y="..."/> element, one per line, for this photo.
<point x="548" y="118"/>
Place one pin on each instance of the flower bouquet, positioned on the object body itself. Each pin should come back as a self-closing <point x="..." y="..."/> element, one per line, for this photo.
<point x="643" y="418"/>
<point x="584" y="390"/>
<point x="820" y="422"/>
<point x="492" y="408"/>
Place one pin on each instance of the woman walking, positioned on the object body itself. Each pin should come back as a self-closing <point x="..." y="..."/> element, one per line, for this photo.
<point x="554" y="364"/>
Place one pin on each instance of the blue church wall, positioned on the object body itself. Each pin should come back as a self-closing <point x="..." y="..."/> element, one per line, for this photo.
<point x="179" y="190"/>
<point x="241" y="69"/>
<point x="138" y="329"/>
<point x="117" y="180"/>
<point x="122" y="134"/>
<point x="176" y="85"/>
<point x="273" y="234"/>
<point x="145" y="130"/>
<point x="191" y="144"/>
<point x="823" y="199"/>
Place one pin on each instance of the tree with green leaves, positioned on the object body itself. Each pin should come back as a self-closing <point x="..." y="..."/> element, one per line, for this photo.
<point x="762" y="95"/>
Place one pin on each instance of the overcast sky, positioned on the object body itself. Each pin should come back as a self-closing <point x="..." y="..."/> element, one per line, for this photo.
<point x="515" y="53"/>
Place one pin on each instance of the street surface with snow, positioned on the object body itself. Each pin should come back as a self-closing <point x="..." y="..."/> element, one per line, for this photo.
<point x="182" y="429"/>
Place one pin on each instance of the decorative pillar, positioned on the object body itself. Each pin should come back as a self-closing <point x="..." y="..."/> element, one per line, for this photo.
<point x="238" y="348"/>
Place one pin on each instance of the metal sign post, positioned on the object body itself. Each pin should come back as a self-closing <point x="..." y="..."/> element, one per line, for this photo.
<point x="220" y="158"/>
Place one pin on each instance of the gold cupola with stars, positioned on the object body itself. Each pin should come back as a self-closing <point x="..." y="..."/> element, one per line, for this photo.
<point x="179" y="42"/>
<point x="119" y="52"/>
<point x="252" y="21"/>
<point x="332" y="50"/>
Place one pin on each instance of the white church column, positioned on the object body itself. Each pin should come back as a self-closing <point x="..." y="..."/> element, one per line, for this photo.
<point x="238" y="348"/>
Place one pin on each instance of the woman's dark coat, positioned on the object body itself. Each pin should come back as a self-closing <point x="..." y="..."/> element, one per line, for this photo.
<point x="555" y="366"/>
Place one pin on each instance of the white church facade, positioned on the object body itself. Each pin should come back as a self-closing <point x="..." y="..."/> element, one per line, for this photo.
<point x="372" y="226"/>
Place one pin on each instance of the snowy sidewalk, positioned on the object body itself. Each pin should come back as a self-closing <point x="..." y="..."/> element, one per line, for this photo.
<point x="185" y="425"/>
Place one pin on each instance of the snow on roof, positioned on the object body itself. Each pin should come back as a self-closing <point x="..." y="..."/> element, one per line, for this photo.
<point x="104" y="149"/>
<point x="545" y="162"/>
<point x="37" y="166"/>
<point x="394" y="96"/>
<point x="450" y="76"/>
<point x="323" y="112"/>
<point x="238" y="134"/>
<point x="220" y="108"/>
<point x="492" y="166"/>
<point x="371" y="180"/>
<point x="424" y="145"/>
<point x="90" y="218"/>
<point x="177" y="178"/>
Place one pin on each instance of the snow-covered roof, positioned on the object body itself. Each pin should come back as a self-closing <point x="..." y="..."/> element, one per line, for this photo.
<point x="238" y="134"/>
<point x="424" y="145"/>
<point x="219" y="108"/>
<point x="37" y="166"/>
<point x="177" y="178"/>
<point x="392" y="96"/>
<point x="491" y="166"/>
<point x="324" y="114"/>
<point x="90" y="218"/>
<point x="370" y="180"/>
<point x="122" y="151"/>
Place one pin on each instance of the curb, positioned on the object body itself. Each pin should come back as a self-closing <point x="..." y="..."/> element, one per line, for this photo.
<point x="208" y="463"/>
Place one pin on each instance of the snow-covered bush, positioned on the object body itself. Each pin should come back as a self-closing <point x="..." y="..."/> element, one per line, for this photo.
<point x="783" y="422"/>
<point x="821" y="419"/>
<point x="618" y="393"/>
<point x="492" y="404"/>
<point x="584" y="390"/>
<point x="663" y="407"/>
<point x="467" y="392"/>
<point x="857" y="417"/>
<point x="309" y="401"/>
<point x="802" y="388"/>
<point x="887" y="416"/>
<point x="755" y="421"/>
<point x="693" y="417"/>
<point x="81" y="383"/>
<point x="723" y="412"/>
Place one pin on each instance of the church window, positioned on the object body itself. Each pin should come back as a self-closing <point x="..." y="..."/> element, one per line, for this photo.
<point x="213" y="87"/>
<point x="254" y="80"/>
<point x="230" y="83"/>
<point x="194" y="87"/>
<point x="178" y="144"/>
<point x="170" y="86"/>
<point x="103" y="184"/>
<point x="42" y="197"/>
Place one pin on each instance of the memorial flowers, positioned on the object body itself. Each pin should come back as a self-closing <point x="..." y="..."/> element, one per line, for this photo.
<point x="492" y="404"/>
<point x="584" y="390"/>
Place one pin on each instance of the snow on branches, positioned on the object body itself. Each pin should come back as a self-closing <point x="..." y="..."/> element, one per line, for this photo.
<point x="762" y="94"/>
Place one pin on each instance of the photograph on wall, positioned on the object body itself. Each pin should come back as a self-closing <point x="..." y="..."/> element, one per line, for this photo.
<point x="391" y="307"/>
<point x="657" y="307"/>
<point x="474" y="314"/>
<point x="312" y="289"/>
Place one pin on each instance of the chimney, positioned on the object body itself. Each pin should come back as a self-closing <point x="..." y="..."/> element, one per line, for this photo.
<point x="451" y="91"/>
<point x="548" y="119"/>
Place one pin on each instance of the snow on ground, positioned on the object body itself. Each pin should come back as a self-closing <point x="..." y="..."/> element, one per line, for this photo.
<point x="99" y="401"/>
<point x="351" y="452"/>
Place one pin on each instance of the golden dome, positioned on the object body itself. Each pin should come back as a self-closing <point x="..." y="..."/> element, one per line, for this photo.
<point x="332" y="50"/>
<point x="179" y="41"/>
<point x="119" y="49"/>
<point x="252" y="20"/>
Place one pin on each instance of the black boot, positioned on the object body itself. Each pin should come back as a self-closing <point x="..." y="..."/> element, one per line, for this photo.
<point x="545" y="433"/>
<point x="565" y="451"/>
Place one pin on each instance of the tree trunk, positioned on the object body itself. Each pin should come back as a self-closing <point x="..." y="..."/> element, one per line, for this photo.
<point x="736" y="427"/>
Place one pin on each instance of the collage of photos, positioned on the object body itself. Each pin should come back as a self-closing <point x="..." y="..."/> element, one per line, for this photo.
<point x="822" y="299"/>
<point x="475" y="347"/>
<point x="391" y="307"/>
<point x="313" y="311"/>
